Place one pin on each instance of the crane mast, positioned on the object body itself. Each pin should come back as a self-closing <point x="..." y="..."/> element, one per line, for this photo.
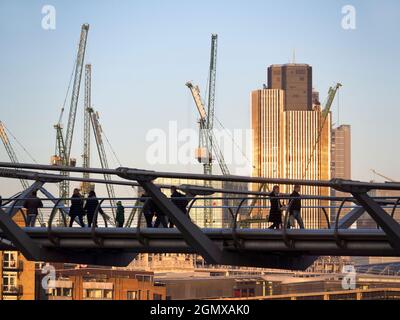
<point x="212" y="82"/>
<point x="86" y="186"/>
<point x="94" y="117"/>
<point x="206" y="124"/>
<point x="63" y="147"/>
<point x="10" y="151"/>
<point x="75" y="91"/>
<point x="325" y="113"/>
<point x="207" y="135"/>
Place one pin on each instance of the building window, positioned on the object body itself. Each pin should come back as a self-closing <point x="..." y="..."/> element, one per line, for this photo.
<point x="132" y="295"/>
<point x="10" y="284"/>
<point x="98" y="294"/>
<point x="61" y="292"/>
<point x="10" y="259"/>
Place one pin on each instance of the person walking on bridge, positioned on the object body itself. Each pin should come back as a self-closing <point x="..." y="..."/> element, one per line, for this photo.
<point x="32" y="205"/>
<point x="295" y="208"/>
<point x="275" y="212"/>
<point x="120" y="217"/>
<point x="148" y="209"/>
<point x="90" y="207"/>
<point x="76" y="208"/>
<point x="178" y="199"/>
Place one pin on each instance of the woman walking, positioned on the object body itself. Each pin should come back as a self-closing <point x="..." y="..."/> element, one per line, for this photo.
<point x="90" y="207"/>
<point x="275" y="213"/>
<point x="76" y="209"/>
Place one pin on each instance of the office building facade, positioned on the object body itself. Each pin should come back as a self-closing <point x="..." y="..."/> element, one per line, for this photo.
<point x="296" y="81"/>
<point x="291" y="142"/>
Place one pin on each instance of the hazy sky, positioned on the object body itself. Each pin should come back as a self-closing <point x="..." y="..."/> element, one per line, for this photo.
<point x="143" y="52"/>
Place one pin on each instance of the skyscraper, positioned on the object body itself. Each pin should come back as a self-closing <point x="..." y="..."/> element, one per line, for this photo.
<point x="341" y="162"/>
<point x="292" y="143"/>
<point x="296" y="81"/>
<point x="341" y="152"/>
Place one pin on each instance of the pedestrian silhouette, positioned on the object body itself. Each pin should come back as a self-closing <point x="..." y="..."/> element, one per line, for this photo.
<point x="90" y="208"/>
<point x="32" y="205"/>
<point x="120" y="218"/>
<point x="76" y="209"/>
<point x="178" y="199"/>
<point x="275" y="213"/>
<point x="295" y="208"/>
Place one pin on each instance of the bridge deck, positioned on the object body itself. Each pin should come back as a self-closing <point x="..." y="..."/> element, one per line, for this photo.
<point x="311" y="242"/>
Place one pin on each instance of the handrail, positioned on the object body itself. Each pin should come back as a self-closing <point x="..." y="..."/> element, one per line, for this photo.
<point x="191" y="206"/>
<point x="395" y="207"/>
<point x="236" y="239"/>
<point x="286" y="239"/>
<point x="52" y="238"/>
<point x="96" y="239"/>
<point x="326" y="217"/>
<point x="336" y="231"/>
<point x="142" y="239"/>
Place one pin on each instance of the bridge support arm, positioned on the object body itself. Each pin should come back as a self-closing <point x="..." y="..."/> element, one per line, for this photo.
<point x="381" y="217"/>
<point x="21" y="198"/>
<point x="18" y="237"/>
<point x="191" y="233"/>
<point x="349" y="219"/>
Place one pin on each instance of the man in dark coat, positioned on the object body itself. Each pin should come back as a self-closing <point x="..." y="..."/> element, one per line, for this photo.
<point x="148" y="209"/>
<point x="90" y="207"/>
<point x="178" y="199"/>
<point x="76" y="208"/>
<point x="295" y="208"/>
<point x="275" y="213"/>
<point x="32" y="205"/>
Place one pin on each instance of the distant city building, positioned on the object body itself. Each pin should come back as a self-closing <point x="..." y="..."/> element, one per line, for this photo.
<point x="100" y="284"/>
<point x="296" y="81"/>
<point x="341" y="162"/>
<point x="341" y="152"/>
<point x="292" y="141"/>
<point x="17" y="274"/>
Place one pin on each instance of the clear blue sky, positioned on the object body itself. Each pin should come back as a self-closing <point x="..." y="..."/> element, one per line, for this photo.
<point x="143" y="52"/>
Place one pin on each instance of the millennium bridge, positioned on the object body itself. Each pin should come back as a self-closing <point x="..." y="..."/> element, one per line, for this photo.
<point x="241" y="242"/>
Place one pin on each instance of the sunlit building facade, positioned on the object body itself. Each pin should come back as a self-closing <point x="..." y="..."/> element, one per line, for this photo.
<point x="291" y="144"/>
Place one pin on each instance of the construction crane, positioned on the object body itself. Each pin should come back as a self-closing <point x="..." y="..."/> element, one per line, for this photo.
<point x="206" y="124"/>
<point x="207" y="135"/>
<point x="86" y="187"/>
<point x="325" y="113"/>
<point x="10" y="151"/>
<point x="13" y="157"/>
<point x="97" y="129"/>
<point x="382" y="176"/>
<point x="64" y="143"/>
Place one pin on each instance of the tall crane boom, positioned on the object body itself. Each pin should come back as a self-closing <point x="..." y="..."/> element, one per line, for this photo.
<point x="75" y="91"/>
<point x="10" y="151"/>
<point x="212" y="82"/>
<point x="86" y="187"/>
<point x="64" y="143"/>
<point x="208" y="134"/>
<point x="94" y="117"/>
<point x="324" y="116"/>
<point x="331" y="96"/>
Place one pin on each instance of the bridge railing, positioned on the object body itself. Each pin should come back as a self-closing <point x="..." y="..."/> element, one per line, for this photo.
<point x="229" y="212"/>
